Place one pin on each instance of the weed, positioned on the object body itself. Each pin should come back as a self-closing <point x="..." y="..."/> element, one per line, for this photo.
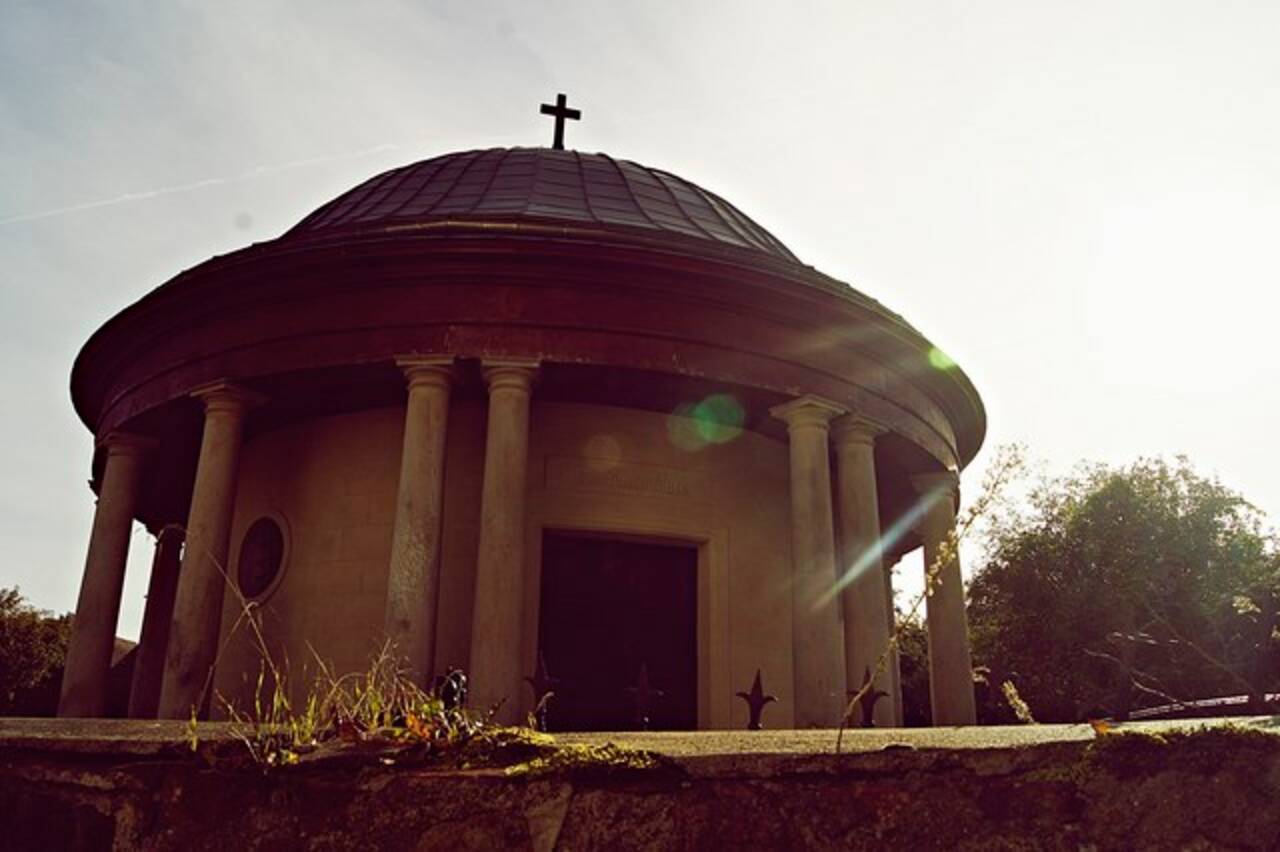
<point x="1020" y="707"/>
<point x="1005" y="467"/>
<point x="381" y="709"/>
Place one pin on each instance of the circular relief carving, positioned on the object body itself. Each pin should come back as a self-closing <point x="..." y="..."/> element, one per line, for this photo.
<point x="261" y="558"/>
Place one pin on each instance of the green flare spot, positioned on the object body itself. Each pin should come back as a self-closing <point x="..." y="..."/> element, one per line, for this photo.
<point x="940" y="360"/>
<point x="719" y="418"/>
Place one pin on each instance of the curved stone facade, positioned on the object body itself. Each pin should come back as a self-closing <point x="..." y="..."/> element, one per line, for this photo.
<point x="437" y="367"/>
<point x="595" y="469"/>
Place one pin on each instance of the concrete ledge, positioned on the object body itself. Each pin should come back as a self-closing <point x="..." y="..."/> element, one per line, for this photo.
<point x="90" y="784"/>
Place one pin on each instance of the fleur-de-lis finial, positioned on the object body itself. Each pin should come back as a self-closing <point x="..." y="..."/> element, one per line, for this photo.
<point x="756" y="701"/>
<point x="543" y="686"/>
<point x="869" y="696"/>
<point x="645" y="697"/>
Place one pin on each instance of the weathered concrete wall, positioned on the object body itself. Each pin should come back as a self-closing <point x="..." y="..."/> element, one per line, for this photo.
<point x="1053" y="787"/>
<point x="331" y="482"/>
<point x="616" y="470"/>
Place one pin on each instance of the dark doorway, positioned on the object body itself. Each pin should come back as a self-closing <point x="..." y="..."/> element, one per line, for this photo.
<point x="609" y="607"/>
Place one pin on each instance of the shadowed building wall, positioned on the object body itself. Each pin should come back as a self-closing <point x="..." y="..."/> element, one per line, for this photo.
<point x="332" y="482"/>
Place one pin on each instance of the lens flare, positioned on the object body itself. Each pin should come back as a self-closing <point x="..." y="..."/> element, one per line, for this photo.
<point x="940" y="360"/>
<point x="717" y="419"/>
<point x="874" y="555"/>
<point x="682" y="429"/>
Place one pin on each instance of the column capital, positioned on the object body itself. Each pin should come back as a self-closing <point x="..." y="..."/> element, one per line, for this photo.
<point x="947" y="481"/>
<point x="808" y="411"/>
<point x="854" y="430"/>
<point x="170" y="531"/>
<point x="126" y="444"/>
<point x="509" y="373"/>
<point x="222" y="395"/>
<point x="162" y="530"/>
<point x="426" y="370"/>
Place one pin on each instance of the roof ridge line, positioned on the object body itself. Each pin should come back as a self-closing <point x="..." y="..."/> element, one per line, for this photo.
<point x="662" y="181"/>
<point x="475" y="154"/>
<point x="407" y="169"/>
<point x="586" y="196"/>
<point x="502" y="158"/>
<point x="631" y="190"/>
<point x="317" y="217"/>
<point x="376" y="193"/>
<point x="720" y="201"/>
<point x="773" y="241"/>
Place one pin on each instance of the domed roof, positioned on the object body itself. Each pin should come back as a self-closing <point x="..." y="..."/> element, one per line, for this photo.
<point x="540" y="185"/>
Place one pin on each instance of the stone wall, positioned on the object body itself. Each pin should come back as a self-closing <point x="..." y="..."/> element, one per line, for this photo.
<point x="137" y="786"/>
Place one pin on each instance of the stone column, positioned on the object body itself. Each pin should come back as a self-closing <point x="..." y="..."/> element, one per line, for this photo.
<point x="861" y="568"/>
<point x="202" y="579"/>
<point x="93" y="629"/>
<point x="950" y="667"/>
<point x="148" y="667"/>
<point x="413" y="582"/>
<point x="496" y="633"/>
<point x="816" y="644"/>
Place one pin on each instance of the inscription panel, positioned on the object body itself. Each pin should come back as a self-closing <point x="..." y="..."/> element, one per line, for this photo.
<point x="600" y="474"/>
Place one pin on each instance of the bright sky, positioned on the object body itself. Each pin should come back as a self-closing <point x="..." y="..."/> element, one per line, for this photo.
<point x="1080" y="202"/>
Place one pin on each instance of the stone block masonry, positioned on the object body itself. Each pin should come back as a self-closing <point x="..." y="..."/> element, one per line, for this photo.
<point x="95" y="784"/>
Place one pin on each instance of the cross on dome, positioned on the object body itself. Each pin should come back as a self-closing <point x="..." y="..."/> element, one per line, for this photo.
<point x="561" y="111"/>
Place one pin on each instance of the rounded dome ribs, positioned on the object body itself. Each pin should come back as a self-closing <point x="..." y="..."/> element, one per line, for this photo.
<point x="593" y="191"/>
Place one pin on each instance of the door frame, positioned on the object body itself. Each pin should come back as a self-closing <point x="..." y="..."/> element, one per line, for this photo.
<point x="714" y="697"/>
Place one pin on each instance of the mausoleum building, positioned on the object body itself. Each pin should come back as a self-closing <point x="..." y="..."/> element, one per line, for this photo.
<point x="512" y="404"/>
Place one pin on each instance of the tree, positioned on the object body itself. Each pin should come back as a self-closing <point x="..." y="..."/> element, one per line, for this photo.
<point x="913" y="667"/>
<point x="33" y="647"/>
<point x="1127" y="587"/>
